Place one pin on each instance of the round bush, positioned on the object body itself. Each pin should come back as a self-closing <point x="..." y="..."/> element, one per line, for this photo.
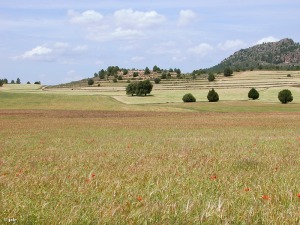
<point x="285" y="96"/>
<point x="253" y="94"/>
<point x="212" y="96"/>
<point x="228" y="72"/>
<point x="157" y="80"/>
<point x="188" y="98"/>
<point x="211" y="77"/>
<point x="90" y="82"/>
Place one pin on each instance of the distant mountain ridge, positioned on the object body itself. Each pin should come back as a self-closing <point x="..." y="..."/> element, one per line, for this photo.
<point x="284" y="54"/>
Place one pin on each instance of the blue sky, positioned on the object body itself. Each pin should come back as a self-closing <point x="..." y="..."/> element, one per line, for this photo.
<point x="62" y="40"/>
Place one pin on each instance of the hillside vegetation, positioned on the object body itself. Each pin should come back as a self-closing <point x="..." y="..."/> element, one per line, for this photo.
<point x="284" y="54"/>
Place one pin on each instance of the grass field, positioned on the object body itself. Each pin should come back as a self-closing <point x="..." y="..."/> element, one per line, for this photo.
<point x="85" y="158"/>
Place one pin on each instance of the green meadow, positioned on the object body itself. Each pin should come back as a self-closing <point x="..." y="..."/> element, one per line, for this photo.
<point x="101" y="157"/>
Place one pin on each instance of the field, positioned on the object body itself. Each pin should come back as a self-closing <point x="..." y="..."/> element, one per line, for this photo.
<point x="83" y="157"/>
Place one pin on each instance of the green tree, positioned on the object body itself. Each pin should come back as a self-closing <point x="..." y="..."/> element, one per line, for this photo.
<point x="102" y="74"/>
<point x="5" y="81"/>
<point x="178" y="71"/>
<point x="125" y="71"/>
<point x="131" y="88"/>
<point x="169" y="76"/>
<point x="28" y="82"/>
<point x="285" y="96"/>
<point x="147" y="71"/>
<point x="95" y="74"/>
<point x="18" y="81"/>
<point x="212" y="96"/>
<point x="12" y="82"/>
<point x="228" y="72"/>
<point x="211" y="77"/>
<point x="156" y="68"/>
<point x="135" y="74"/>
<point x="188" y="98"/>
<point x="37" y="82"/>
<point x="115" y="80"/>
<point x="90" y="82"/>
<point x="164" y="76"/>
<point x="1" y="83"/>
<point x="157" y="80"/>
<point x="253" y="94"/>
<point x="139" y="88"/>
<point x="120" y="77"/>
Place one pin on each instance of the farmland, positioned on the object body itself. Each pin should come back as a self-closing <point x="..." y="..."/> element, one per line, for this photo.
<point x="101" y="157"/>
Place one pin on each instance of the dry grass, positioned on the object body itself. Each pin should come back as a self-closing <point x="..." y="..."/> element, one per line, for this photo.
<point x="95" y="167"/>
<point x="84" y="158"/>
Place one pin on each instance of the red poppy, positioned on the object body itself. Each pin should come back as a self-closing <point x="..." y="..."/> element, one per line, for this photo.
<point x="265" y="197"/>
<point x="298" y="195"/>
<point x="213" y="177"/>
<point x="139" y="198"/>
<point x="93" y="175"/>
<point x="247" y="189"/>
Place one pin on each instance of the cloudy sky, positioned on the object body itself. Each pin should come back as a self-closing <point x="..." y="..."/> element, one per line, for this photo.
<point x="59" y="41"/>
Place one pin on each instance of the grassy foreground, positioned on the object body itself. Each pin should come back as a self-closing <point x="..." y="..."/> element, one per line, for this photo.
<point x="119" y="164"/>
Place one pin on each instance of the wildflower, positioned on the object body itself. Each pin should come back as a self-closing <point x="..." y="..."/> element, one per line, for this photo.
<point x="247" y="189"/>
<point x="93" y="175"/>
<point x="139" y="198"/>
<point x="265" y="197"/>
<point x="298" y="195"/>
<point x="213" y="177"/>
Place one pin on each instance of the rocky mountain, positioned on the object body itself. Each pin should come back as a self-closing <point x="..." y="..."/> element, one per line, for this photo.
<point x="284" y="54"/>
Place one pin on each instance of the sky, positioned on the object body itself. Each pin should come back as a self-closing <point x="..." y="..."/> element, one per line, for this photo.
<point x="59" y="41"/>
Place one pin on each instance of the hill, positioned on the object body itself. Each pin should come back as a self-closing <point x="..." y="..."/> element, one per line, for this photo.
<point x="281" y="55"/>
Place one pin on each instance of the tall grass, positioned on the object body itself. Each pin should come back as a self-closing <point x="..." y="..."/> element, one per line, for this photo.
<point x="75" y="167"/>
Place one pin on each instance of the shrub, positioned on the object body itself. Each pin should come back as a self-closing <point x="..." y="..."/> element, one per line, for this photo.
<point x="157" y="80"/>
<point x="228" y="72"/>
<point x="120" y="77"/>
<point x="128" y="81"/>
<point x="289" y="75"/>
<point x="90" y="81"/>
<point x="253" y="94"/>
<point x="98" y="85"/>
<point x="115" y="80"/>
<point x="211" y="77"/>
<point x="139" y="88"/>
<point x="285" y="96"/>
<point x="212" y="96"/>
<point x="37" y="82"/>
<point x="164" y="76"/>
<point x="188" y="98"/>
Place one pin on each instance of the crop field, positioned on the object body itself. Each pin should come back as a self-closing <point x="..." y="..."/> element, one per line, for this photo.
<point x="75" y="157"/>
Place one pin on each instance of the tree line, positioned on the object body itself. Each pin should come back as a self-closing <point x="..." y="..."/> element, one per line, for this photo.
<point x="18" y="81"/>
<point x="285" y="96"/>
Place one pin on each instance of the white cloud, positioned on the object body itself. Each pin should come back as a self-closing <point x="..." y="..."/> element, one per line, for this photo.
<point x="87" y="17"/>
<point x="186" y="17"/>
<point x="137" y="19"/>
<point x="201" y="49"/>
<point x="35" y="53"/>
<point x="58" y="51"/>
<point x="267" y="39"/>
<point x="231" y="45"/>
